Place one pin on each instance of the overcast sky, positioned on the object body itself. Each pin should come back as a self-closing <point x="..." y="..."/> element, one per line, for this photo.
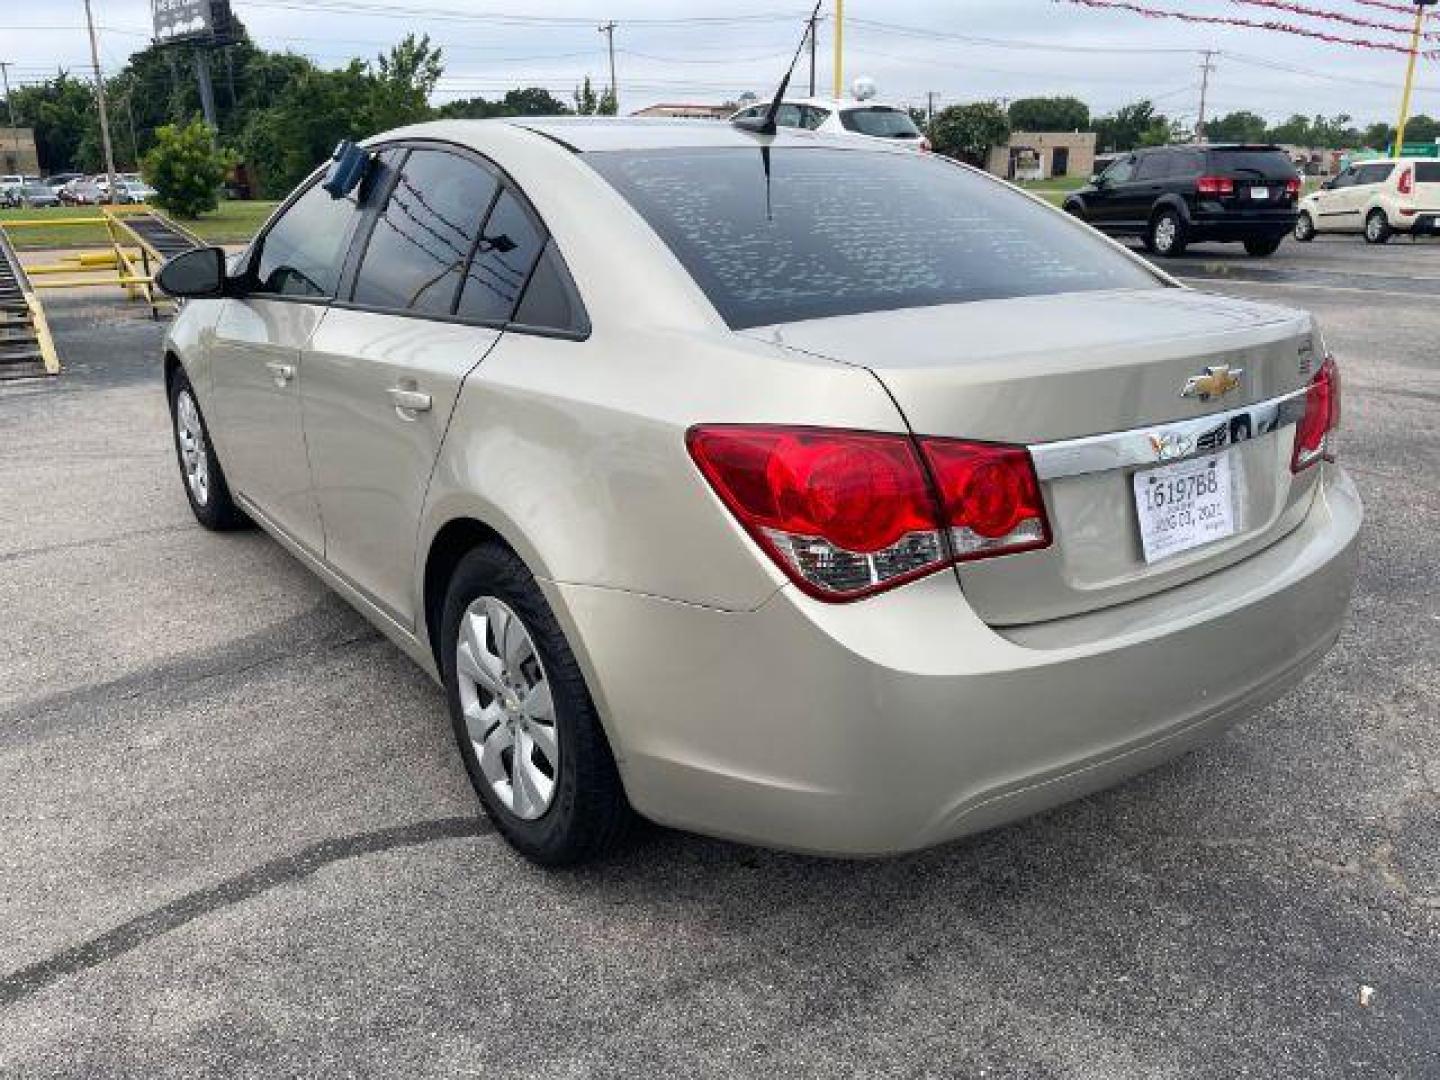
<point x="709" y="50"/>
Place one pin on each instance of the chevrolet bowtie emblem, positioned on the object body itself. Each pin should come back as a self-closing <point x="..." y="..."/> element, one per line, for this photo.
<point x="1216" y="382"/>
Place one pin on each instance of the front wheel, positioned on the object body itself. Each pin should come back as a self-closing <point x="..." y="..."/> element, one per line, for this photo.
<point x="1377" y="227"/>
<point x="1305" y="228"/>
<point x="205" y="485"/>
<point x="1166" y="237"/>
<point x="1260" y="247"/>
<point x="527" y="728"/>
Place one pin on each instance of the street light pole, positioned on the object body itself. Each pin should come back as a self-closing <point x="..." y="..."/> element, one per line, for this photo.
<point x="1420" y="6"/>
<point x="100" y="99"/>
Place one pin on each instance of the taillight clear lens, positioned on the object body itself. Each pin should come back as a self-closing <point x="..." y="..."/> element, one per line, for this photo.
<point x="847" y="513"/>
<point x="1315" y="433"/>
<point x="1407" y="182"/>
<point x="1215" y="185"/>
<point x="990" y="497"/>
<point x="844" y="513"/>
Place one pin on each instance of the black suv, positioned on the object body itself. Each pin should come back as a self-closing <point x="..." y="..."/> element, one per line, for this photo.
<point x="1172" y="196"/>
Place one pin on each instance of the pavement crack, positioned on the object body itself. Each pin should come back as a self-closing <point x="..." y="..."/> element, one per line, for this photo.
<point x="284" y="870"/>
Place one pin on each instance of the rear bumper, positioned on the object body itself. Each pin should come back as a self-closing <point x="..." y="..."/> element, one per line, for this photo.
<point x="1241" y="225"/>
<point x="904" y="721"/>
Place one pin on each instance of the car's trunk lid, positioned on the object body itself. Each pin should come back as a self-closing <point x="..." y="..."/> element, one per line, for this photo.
<point x="1052" y="369"/>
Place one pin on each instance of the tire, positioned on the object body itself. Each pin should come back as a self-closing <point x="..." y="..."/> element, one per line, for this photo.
<point x="1377" y="228"/>
<point x="1305" y="227"/>
<point x="200" y="472"/>
<point x="1262" y="246"/>
<point x="1075" y="210"/>
<point x="555" y="813"/>
<point x="1166" y="235"/>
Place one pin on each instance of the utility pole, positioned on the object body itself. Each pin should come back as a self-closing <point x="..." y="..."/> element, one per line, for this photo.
<point x="1207" y="65"/>
<point x="929" y="110"/>
<point x="814" y="19"/>
<point x="100" y="99"/>
<point x="839" y="49"/>
<point x="10" y="105"/>
<point x="1420" y="6"/>
<point x="609" y="31"/>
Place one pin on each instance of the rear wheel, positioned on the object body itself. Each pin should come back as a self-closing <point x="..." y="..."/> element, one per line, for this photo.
<point x="200" y="470"/>
<point x="1305" y="227"/>
<point x="1377" y="227"/>
<point x="1167" y="235"/>
<point x="1262" y="246"/>
<point x="527" y="728"/>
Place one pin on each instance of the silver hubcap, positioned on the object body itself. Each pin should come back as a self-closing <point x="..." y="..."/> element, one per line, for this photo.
<point x="1165" y="233"/>
<point x="1373" y="228"/>
<point x="509" y="714"/>
<point x="191" y="434"/>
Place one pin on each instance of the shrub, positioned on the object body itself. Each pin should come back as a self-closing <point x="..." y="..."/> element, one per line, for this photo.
<point x="186" y="168"/>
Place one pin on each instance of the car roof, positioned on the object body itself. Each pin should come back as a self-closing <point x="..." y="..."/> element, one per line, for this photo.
<point x="592" y="134"/>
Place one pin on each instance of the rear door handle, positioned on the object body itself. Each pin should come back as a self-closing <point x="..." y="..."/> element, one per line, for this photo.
<point x="281" y="373"/>
<point x="409" y="400"/>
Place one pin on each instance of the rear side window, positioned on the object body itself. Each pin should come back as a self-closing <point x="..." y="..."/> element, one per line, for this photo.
<point x="1271" y="164"/>
<point x="550" y="301"/>
<point x="304" y="250"/>
<point x="509" y="245"/>
<point x="837" y="232"/>
<point x="1153" y="167"/>
<point x="879" y="122"/>
<point x="424" y="236"/>
<point x="1427" y="172"/>
<point x="1373" y="174"/>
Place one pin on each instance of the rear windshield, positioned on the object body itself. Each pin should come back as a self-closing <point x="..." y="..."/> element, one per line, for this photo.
<point x="881" y="123"/>
<point x="846" y="231"/>
<point x="1269" y="163"/>
<point x="1427" y="172"/>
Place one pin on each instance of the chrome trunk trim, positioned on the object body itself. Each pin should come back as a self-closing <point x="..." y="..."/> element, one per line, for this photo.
<point x="1167" y="442"/>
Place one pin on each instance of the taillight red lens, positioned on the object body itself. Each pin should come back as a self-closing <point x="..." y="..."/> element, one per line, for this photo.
<point x="1215" y="185"/>
<point x="847" y="513"/>
<point x="1407" y="182"/>
<point x="989" y="495"/>
<point x="1314" y="434"/>
<point x="1292" y="187"/>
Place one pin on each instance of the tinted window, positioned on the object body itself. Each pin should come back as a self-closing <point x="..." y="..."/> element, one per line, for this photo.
<point x="1153" y="167"/>
<point x="1269" y="163"/>
<point x="1427" y="172"/>
<point x="508" y="248"/>
<point x="1373" y="174"/>
<point x="790" y="116"/>
<point x="302" y="253"/>
<point x="550" y="302"/>
<point x="880" y="122"/>
<point x="812" y="116"/>
<point x="1121" y="172"/>
<point x="846" y="231"/>
<point x="424" y="237"/>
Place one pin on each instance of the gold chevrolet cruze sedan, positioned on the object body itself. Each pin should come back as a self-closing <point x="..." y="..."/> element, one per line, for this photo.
<point x="810" y="493"/>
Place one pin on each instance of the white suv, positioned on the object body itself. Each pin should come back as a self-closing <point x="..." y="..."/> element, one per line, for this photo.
<point x="1376" y="198"/>
<point x="846" y="116"/>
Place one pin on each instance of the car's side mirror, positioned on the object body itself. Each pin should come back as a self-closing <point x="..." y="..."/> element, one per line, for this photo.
<point x="1328" y="185"/>
<point x="1095" y="180"/>
<point x="195" y="274"/>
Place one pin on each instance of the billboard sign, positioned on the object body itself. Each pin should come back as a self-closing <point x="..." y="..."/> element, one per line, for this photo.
<point x="187" y="20"/>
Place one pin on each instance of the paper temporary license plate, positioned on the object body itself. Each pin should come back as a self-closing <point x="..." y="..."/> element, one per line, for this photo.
<point x="1259" y="193"/>
<point x="1184" y="505"/>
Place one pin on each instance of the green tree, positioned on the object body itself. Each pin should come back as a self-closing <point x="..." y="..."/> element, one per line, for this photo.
<point x="401" y="83"/>
<point x="186" y="168"/>
<point x="1293" y="132"/>
<point x="970" y="131"/>
<point x="62" y="112"/>
<point x="1128" y="127"/>
<point x="1049" y="114"/>
<point x="589" y="103"/>
<point x="530" y="101"/>
<point x="1421" y="129"/>
<point x="1379" y="136"/>
<point x="1237" y="127"/>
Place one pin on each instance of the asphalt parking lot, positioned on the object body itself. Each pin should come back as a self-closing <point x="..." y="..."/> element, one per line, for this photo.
<point x="238" y="842"/>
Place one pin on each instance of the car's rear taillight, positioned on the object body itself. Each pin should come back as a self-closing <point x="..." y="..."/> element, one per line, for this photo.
<point x="925" y="145"/>
<point x="1292" y="187"/>
<point x="989" y="495"/>
<point x="1315" y="433"/>
<point x="1215" y="185"/>
<point x="1407" y="182"/>
<point x="847" y="513"/>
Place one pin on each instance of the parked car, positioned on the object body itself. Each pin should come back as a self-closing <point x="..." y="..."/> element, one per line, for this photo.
<point x="81" y="193"/>
<point x="822" y="526"/>
<point x="134" y="191"/>
<point x="36" y="196"/>
<point x="1175" y="196"/>
<point x="846" y="116"/>
<point x="59" y="180"/>
<point x="11" y="181"/>
<point x="1376" y="199"/>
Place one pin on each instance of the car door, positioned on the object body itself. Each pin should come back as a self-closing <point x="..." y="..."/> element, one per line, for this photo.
<point x="1370" y="184"/>
<point x="257" y="372"/>
<point x="1138" y="197"/>
<point x="1102" y="204"/>
<point x="445" y="261"/>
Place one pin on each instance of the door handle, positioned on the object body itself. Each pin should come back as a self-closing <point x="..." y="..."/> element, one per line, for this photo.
<point x="407" y="400"/>
<point x="281" y="373"/>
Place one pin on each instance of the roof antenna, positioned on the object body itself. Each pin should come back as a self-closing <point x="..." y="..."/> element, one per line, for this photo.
<point x="765" y="125"/>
